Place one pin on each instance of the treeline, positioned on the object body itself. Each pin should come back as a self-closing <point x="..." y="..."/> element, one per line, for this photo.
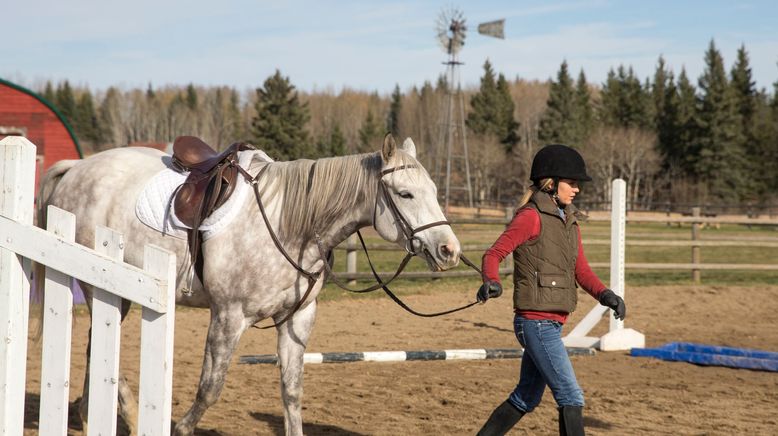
<point x="672" y="140"/>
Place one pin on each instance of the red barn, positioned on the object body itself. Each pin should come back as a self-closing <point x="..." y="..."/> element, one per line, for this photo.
<point x="25" y="113"/>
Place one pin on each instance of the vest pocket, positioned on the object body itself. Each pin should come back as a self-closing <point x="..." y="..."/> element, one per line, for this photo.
<point x="552" y="288"/>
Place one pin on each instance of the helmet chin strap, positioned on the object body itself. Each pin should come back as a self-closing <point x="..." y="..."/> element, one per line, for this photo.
<point x="555" y="193"/>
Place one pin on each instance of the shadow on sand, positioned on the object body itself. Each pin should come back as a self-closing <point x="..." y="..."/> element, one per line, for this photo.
<point x="75" y="425"/>
<point x="276" y="424"/>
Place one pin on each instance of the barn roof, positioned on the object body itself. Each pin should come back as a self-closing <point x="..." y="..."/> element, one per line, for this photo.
<point x="49" y="105"/>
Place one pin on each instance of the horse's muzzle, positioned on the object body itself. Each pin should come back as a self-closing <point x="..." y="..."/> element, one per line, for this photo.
<point x="447" y="255"/>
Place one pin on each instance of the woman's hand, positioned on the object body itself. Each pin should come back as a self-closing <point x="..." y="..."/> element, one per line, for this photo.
<point x="609" y="298"/>
<point x="489" y="289"/>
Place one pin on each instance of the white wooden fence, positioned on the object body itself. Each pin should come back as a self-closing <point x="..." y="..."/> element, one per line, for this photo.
<point x="152" y="287"/>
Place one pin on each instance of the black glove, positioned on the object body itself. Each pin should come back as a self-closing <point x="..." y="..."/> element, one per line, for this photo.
<point x="489" y="290"/>
<point x="609" y="298"/>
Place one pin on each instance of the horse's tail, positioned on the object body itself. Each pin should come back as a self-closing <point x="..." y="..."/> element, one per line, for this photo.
<point x="47" y="184"/>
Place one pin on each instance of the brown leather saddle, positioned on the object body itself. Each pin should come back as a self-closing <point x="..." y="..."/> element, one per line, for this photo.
<point x="211" y="181"/>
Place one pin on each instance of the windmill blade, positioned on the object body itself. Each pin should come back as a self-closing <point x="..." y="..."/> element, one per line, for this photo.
<point x="495" y="29"/>
<point x="451" y="29"/>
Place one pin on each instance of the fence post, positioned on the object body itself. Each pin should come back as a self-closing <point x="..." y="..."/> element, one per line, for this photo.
<point x="17" y="183"/>
<point x="155" y="390"/>
<point x="695" y="248"/>
<point x="351" y="257"/>
<point x="57" y="322"/>
<point x="106" y="337"/>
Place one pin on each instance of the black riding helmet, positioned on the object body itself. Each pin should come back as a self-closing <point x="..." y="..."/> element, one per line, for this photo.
<point x="559" y="162"/>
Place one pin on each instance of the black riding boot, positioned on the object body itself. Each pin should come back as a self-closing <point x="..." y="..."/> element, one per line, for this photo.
<point x="504" y="417"/>
<point x="571" y="421"/>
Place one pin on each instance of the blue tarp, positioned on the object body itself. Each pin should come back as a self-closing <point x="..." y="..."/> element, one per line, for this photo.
<point x="712" y="355"/>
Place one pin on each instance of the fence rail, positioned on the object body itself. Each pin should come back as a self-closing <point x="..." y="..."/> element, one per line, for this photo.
<point x="696" y="220"/>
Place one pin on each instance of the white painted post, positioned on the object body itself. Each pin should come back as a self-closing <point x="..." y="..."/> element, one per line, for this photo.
<point x="351" y="257"/>
<point x="618" y="240"/>
<point x="106" y="339"/>
<point x="17" y="183"/>
<point x="156" y="361"/>
<point x="57" y="327"/>
<point x="619" y="338"/>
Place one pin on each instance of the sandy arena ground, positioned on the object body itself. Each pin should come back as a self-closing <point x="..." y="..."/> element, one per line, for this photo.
<point x="625" y="395"/>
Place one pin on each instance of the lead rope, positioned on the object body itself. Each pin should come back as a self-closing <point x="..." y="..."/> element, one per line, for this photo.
<point x="402" y="304"/>
<point x="313" y="277"/>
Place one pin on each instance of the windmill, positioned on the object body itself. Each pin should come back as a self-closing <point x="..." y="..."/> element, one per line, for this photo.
<point x="451" y="29"/>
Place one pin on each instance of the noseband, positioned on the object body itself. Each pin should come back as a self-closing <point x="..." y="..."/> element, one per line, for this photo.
<point x="408" y="231"/>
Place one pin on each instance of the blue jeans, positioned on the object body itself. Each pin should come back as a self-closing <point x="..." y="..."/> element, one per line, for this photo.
<point x="545" y="362"/>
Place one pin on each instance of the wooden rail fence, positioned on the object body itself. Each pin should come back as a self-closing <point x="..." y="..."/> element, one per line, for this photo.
<point x="695" y="265"/>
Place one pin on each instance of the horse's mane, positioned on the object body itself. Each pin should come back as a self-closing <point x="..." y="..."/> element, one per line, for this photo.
<point x="314" y="200"/>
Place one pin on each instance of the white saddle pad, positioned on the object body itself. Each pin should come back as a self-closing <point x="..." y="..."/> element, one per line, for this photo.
<point x="154" y="206"/>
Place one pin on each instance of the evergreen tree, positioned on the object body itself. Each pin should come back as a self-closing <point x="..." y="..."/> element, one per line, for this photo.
<point x="509" y="131"/>
<point x="492" y="109"/>
<point x="667" y="121"/>
<point x="109" y="123"/>
<point x="279" y="124"/>
<point x="772" y="144"/>
<point x="721" y="161"/>
<point x="746" y="101"/>
<point x="482" y="119"/>
<point x="428" y="110"/>
<point x="762" y="151"/>
<point x="584" y="111"/>
<point x="558" y="123"/>
<point x="234" y="115"/>
<point x="658" y="91"/>
<point x="333" y="144"/>
<point x="393" y="120"/>
<point x="744" y="90"/>
<point x="191" y="97"/>
<point x="624" y="101"/>
<point x="48" y="93"/>
<point x="66" y="102"/>
<point x="687" y="149"/>
<point x="85" y="121"/>
<point x="337" y="142"/>
<point x="370" y="133"/>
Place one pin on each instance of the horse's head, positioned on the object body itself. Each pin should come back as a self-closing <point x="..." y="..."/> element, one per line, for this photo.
<point x="407" y="210"/>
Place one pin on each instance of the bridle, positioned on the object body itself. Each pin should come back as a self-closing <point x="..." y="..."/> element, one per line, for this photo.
<point x="409" y="232"/>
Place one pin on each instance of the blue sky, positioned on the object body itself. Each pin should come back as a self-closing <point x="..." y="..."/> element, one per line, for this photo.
<point x="366" y="45"/>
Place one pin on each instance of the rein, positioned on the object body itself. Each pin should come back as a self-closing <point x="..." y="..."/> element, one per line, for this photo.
<point x="411" y="250"/>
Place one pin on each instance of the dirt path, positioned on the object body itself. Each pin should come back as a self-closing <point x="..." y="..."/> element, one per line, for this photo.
<point x="625" y="395"/>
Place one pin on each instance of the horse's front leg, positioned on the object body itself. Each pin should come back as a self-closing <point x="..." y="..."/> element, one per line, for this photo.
<point x="292" y="339"/>
<point x="226" y="327"/>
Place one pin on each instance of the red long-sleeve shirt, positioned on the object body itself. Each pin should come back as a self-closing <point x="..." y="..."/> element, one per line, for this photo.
<point x="524" y="227"/>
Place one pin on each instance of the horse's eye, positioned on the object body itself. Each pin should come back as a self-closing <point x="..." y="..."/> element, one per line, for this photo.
<point x="405" y="194"/>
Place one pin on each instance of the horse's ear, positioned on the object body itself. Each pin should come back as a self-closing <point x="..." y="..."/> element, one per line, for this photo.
<point x="409" y="147"/>
<point x="389" y="149"/>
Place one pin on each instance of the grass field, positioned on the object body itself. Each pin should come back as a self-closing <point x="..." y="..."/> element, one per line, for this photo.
<point x="484" y="234"/>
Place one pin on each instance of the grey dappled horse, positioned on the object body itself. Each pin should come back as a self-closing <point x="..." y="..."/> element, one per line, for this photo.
<point x="246" y="278"/>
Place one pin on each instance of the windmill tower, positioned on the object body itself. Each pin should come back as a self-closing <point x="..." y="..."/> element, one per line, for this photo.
<point x="452" y="144"/>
